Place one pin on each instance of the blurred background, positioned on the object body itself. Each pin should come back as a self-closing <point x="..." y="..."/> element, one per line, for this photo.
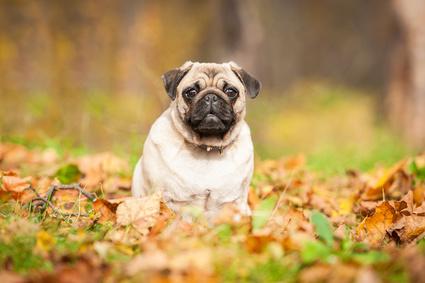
<point x="343" y="81"/>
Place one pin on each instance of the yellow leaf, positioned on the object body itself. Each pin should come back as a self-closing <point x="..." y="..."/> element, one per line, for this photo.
<point x="346" y="205"/>
<point x="45" y="241"/>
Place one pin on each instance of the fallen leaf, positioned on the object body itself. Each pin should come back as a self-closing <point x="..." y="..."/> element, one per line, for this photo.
<point x="16" y="187"/>
<point x="253" y="198"/>
<point x="45" y="241"/>
<point x="12" y="183"/>
<point x="409" y="228"/>
<point x="394" y="180"/>
<point x="373" y="229"/>
<point x="106" y="210"/>
<point x="257" y="243"/>
<point x="140" y="213"/>
<point x="166" y="215"/>
<point x="419" y="195"/>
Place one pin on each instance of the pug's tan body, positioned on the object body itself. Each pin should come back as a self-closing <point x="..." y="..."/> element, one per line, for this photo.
<point x="199" y="151"/>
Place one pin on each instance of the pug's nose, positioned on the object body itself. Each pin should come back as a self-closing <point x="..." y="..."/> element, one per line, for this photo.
<point x="211" y="98"/>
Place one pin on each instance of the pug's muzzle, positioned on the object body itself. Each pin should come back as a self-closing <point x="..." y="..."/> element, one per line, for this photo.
<point x="211" y="115"/>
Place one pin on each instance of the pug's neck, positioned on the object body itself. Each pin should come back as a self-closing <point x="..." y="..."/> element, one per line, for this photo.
<point x="205" y="143"/>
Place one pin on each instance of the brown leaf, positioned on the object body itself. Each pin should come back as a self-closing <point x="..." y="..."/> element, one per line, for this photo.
<point x="16" y="187"/>
<point x="409" y="228"/>
<point x="373" y="229"/>
<point x="106" y="210"/>
<point x="102" y="162"/>
<point x="394" y="179"/>
<point x="253" y="198"/>
<point x="166" y="215"/>
<point x="141" y="213"/>
<point x="365" y="208"/>
<point x="419" y="195"/>
<point x="103" y="168"/>
<point x="12" y="183"/>
<point x="257" y="243"/>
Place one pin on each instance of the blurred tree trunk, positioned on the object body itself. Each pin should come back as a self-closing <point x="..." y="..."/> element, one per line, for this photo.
<point x="247" y="43"/>
<point x="407" y="85"/>
<point x="236" y="33"/>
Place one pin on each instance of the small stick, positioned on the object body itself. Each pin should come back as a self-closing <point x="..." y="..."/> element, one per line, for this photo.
<point x="55" y="210"/>
<point x="54" y="188"/>
<point x="46" y="201"/>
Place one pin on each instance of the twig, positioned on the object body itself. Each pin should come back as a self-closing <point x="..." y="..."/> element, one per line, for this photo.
<point x="283" y="193"/>
<point x="54" y="188"/>
<point x="55" y="210"/>
<point x="45" y="202"/>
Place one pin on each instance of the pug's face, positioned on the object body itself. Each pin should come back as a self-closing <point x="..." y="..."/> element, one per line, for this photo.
<point x="210" y="97"/>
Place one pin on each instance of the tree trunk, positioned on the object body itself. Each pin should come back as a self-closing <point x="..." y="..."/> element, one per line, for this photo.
<point x="407" y="86"/>
<point x="235" y="34"/>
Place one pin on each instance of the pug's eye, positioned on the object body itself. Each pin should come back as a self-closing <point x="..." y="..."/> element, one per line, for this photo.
<point x="231" y="92"/>
<point x="190" y="93"/>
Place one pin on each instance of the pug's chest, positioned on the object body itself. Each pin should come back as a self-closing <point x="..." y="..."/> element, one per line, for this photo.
<point x="189" y="176"/>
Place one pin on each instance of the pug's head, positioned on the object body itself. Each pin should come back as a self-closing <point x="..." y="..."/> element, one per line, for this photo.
<point x="210" y="98"/>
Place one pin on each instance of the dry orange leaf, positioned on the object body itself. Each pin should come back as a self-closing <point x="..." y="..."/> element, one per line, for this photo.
<point x="165" y="216"/>
<point x="411" y="223"/>
<point x="419" y="195"/>
<point x="106" y="210"/>
<point x="377" y="191"/>
<point x="373" y="229"/>
<point x="13" y="183"/>
<point x="253" y="198"/>
<point x="409" y="228"/>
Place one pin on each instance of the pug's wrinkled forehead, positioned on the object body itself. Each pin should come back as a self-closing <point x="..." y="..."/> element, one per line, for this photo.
<point x="206" y="75"/>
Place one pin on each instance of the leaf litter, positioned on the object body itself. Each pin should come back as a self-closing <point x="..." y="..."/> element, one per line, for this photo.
<point x="72" y="219"/>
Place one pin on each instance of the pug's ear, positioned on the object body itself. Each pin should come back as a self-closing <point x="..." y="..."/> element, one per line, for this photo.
<point x="252" y="85"/>
<point x="172" y="78"/>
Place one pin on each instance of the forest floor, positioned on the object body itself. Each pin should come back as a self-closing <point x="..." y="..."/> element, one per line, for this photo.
<point x="70" y="218"/>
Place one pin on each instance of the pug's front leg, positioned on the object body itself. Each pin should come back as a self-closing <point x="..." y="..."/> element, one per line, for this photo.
<point x="242" y="204"/>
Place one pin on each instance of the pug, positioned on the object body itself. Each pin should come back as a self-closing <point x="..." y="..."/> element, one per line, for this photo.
<point x="199" y="152"/>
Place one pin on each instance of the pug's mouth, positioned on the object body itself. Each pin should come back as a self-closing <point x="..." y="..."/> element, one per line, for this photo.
<point x="211" y="125"/>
